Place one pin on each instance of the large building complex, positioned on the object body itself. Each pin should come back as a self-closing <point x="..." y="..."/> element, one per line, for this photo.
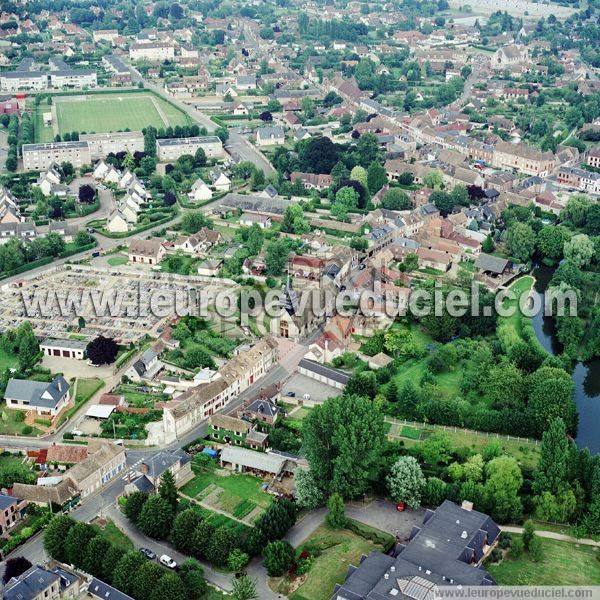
<point x="38" y="157"/>
<point x="173" y="148"/>
<point x="102" y="144"/>
<point x="155" y="52"/>
<point x="447" y="550"/>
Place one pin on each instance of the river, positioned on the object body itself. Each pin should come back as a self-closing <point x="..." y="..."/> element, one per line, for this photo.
<point x="586" y="375"/>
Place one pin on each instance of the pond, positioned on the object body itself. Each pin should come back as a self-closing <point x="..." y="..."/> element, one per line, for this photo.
<point x="586" y="375"/>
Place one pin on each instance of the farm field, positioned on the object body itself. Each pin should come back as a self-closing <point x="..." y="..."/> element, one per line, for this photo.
<point x="107" y="112"/>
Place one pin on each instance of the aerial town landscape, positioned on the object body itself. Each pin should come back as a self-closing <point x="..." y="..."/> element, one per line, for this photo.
<point x="299" y="299"/>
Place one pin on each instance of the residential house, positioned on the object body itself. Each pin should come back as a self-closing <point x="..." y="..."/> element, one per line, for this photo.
<point x="146" y="367"/>
<point x="200" y="191"/>
<point x="249" y="219"/>
<point x="41" y="583"/>
<point x="64" y="348"/>
<point x="146" y="252"/>
<point x="272" y="463"/>
<point x="210" y="267"/>
<point x="11" y="513"/>
<point x="270" y="136"/>
<point x="177" y="462"/>
<point x="39" y="396"/>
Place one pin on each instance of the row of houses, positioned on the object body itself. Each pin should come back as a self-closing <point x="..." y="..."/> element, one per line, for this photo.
<point x="13" y="81"/>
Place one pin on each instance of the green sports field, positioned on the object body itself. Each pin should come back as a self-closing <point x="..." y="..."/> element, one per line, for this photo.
<point x="108" y="112"/>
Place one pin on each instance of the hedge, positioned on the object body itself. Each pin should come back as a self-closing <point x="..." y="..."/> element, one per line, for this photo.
<point x="27" y="266"/>
<point x="72" y="251"/>
<point x="368" y="533"/>
<point x="26" y="533"/>
<point x="88" y="209"/>
<point x="124" y="234"/>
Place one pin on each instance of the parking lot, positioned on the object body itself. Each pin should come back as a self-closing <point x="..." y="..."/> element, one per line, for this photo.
<point x="300" y="385"/>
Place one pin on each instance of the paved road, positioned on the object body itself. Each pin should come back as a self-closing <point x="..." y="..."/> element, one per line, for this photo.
<point x="241" y="149"/>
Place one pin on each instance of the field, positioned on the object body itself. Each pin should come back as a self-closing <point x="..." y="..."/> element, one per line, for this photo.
<point x="563" y="563"/>
<point x="108" y="112"/>
<point x="519" y="287"/>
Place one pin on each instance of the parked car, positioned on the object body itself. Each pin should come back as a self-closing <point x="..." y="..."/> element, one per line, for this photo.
<point x="291" y="394"/>
<point x="167" y="561"/>
<point x="306" y="396"/>
<point x="148" y="553"/>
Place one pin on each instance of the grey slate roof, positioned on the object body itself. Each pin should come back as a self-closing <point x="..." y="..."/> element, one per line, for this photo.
<point x="29" y="391"/>
<point x="161" y="461"/>
<point x="493" y="264"/>
<point x="439" y="553"/>
<point x="6" y="501"/>
<point x="99" y="589"/>
<point x="29" y="584"/>
<point x="319" y="369"/>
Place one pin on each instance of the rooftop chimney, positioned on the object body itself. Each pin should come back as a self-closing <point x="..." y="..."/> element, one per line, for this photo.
<point x="466" y="505"/>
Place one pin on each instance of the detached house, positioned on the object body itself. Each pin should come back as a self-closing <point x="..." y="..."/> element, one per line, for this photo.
<point x="43" y="397"/>
<point x="148" y="252"/>
<point x="153" y="468"/>
<point x="270" y="136"/>
<point x="200" y="191"/>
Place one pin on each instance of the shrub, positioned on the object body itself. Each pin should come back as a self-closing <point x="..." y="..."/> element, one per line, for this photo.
<point x="27" y="430"/>
<point x="535" y="548"/>
<point x="517" y="547"/>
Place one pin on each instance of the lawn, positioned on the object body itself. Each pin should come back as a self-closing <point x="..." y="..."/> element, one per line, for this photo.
<point x="115" y="112"/>
<point x="111" y="533"/>
<point x="86" y="388"/>
<point x="7" y="360"/>
<point x="11" y="423"/>
<point x="239" y="489"/>
<point x="519" y="287"/>
<point x="563" y="563"/>
<point x="137" y="398"/>
<point x="117" y="260"/>
<point x="335" y="550"/>
<point x="526" y="453"/>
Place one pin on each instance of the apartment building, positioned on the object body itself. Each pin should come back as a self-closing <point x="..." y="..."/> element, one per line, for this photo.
<point x="198" y="403"/>
<point x="102" y="144"/>
<point x="173" y="148"/>
<point x="73" y="78"/>
<point x="12" y="81"/>
<point x="593" y="158"/>
<point x="39" y="157"/>
<point x="580" y="179"/>
<point x="105" y="35"/>
<point x="11" y="512"/>
<point x="155" y="51"/>
<point x="523" y="158"/>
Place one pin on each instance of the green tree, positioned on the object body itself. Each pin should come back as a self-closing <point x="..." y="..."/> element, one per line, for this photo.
<point x="367" y="149"/>
<point x="237" y="560"/>
<point x="134" y="504"/>
<point x="336" y="517"/>
<point x="434" y="492"/>
<point x="343" y="439"/>
<point x="359" y="174"/>
<point x="113" y="555"/>
<point x="405" y="481"/>
<point x="55" y="537"/>
<point x="433" y="179"/>
<point x="131" y="562"/>
<point x="551" y="241"/>
<point x="145" y="579"/>
<point x="220" y="546"/>
<point x="192" y="576"/>
<point x="169" y="587"/>
<point x="95" y="555"/>
<point x="528" y="533"/>
<point x="201" y="537"/>
<point x="278" y="558"/>
<point x="167" y="489"/>
<point x="579" y="250"/>
<point x="76" y="543"/>
<point x="396" y="199"/>
<point x="184" y="525"/>
<point x="436" y="449"/>
<point x="309" y="494"/>
<point x="520" y="241"/>
<point x="551" y="470"/>
<point x="346" y="199"/>
<point x="535" y="549"/>
<point x="516" y="547"/>
<point x="294" y="221"/>
<point x="156" y="518"/>
<point x="194" y="221"/>
<point x="276" y="257"/>
<point x="376" y="177"/>
<point x="504" y="480"/>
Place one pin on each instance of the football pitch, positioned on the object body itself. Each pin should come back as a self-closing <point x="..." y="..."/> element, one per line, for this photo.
<point x="111" y="112"/>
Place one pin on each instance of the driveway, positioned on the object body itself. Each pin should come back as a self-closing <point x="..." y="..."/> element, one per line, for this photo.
<point x="380" y="514"/>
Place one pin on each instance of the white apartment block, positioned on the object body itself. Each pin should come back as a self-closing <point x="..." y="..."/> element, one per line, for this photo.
<point x="38" y="157"/>
<point x="102" y="144"/>
<point x="115" y="65"/>
<point x="173" y="148"/>
<point x="105" y="35"/>
<point x="156" y="51"/>
<point x="73" y="79"/>
<point x="12" y="81"/>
